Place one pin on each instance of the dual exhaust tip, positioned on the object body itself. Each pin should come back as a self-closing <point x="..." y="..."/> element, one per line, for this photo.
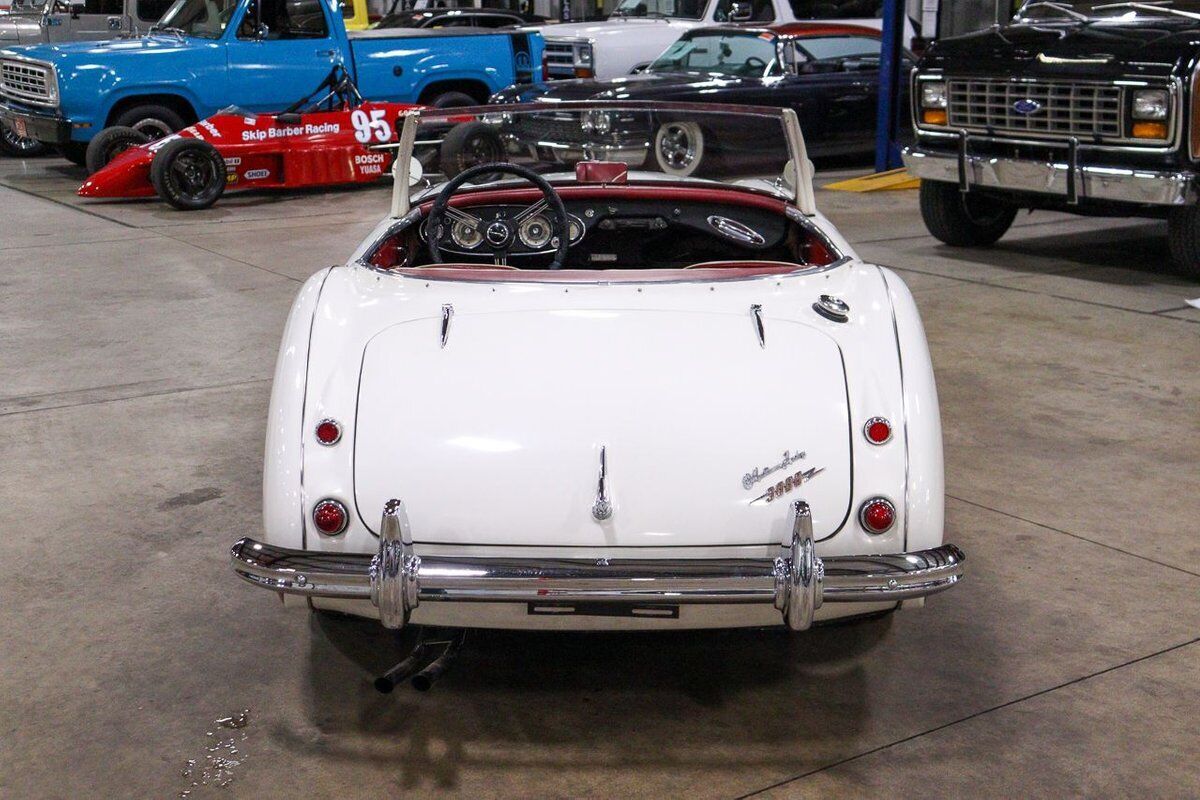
<point x="425" y="676"/>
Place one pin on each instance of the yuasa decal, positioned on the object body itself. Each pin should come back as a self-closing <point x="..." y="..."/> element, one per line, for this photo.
<point x="370" y="163"/>
<point x="374" y="126"/>
<point x="257" y="174"/>
<point x="294" y="130"/>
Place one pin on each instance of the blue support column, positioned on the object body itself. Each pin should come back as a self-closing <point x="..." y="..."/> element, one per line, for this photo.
<point x="891" y="82"/>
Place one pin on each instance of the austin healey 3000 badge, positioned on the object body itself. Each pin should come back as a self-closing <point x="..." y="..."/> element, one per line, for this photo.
<point x="785" y="484"/>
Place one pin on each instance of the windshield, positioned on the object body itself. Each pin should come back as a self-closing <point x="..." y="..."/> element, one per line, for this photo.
<point x="206" y="19"/>
<point x="733" y="54"/>
<point x="655" y="141"/>
<point x="1052" y="10"/>
<point x="829" y="48"/>
<point x="677" y="9"/>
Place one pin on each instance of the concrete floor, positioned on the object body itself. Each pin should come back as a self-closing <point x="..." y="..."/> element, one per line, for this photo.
<point x="136" y="349"/>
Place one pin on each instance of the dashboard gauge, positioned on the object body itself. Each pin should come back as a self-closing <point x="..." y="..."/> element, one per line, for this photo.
<point x="574" y="230"/>
<point x="535" y="232"/>
<point x="465" y="236"/>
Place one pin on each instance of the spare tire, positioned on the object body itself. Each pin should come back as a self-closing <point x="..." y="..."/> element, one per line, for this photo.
<point x="189" y="174"/>
<point x="110" y="143"/>
<point x="469" y="144"/>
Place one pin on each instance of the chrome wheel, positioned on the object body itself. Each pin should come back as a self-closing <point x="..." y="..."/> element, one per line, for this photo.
<point x="679" y="148"/>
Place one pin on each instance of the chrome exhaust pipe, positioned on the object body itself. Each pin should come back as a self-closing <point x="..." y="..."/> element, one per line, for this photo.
<point x="385" y="683"/>
<point x="423" y="681"/>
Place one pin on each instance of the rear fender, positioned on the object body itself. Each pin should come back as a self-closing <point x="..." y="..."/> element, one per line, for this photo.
<point x="283" y="478"/>
<point x="925" y="495"/>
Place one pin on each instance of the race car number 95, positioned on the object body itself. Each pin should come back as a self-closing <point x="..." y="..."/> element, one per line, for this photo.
<point x="374" y="126"/>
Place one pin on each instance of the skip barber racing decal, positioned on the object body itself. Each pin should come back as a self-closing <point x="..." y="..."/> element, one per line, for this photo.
<point x="786" y="484"/>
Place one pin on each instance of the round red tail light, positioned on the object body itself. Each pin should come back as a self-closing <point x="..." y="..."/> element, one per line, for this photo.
<point x="329" y="432"/>
<point x="330" y="517"/>
<point x="878" y="430"/>
<point x="877" y="515"/>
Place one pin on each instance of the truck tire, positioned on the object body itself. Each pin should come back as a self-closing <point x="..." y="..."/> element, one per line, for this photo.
<point x="963" y="220"/>
<point x="110" y="143"/>
<point x="19" y="146"/>
<point x="452" y="100"/>
<point x="75" y="152"/>
<point x="469" y="144"/>
<point x="1183" y="239"/>
<point x="151" y="119"/>
<point x="189" y="174"/>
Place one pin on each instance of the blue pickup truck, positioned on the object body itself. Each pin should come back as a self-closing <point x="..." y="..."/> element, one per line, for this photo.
<point x="260" y="55"/>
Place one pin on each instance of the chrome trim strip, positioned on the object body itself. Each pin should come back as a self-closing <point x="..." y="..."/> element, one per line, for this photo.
<point x="796" y="582"/>
<point x="602" y="509"/>
<point x="447" y="316"/>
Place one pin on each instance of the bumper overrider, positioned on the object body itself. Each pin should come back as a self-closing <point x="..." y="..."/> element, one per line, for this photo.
<point x="396" y="580"/>
<point x="1068" y="177"/>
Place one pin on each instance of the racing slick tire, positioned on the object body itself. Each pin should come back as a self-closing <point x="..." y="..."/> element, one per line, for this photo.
<point x="110" y="143"/>
<point x="678" y="148"/>
<point x="1183" y="239"/>
<point x="19" y="146"/>
<point x="75" y="152"/>
<point x="963" y="220"/>
<point x="151" y="119"/>
<point x="467" y="145"/>
<point x="189" y="174"/>
<point x="453" y="100"/>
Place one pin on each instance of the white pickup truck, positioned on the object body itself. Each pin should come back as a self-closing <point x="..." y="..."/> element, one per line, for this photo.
<point x="637" y="31"/>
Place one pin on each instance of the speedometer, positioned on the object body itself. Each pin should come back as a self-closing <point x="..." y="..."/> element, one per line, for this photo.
<point x="465" y="236"/>
<point x="535" y="232"/>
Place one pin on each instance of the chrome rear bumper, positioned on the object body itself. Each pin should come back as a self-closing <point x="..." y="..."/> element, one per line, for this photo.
<point x="397" y="580"/>
<point x="1067" y="178"/>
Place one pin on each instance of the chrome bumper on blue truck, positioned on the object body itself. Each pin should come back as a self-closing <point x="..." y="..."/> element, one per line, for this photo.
<point x="396" y="580"/>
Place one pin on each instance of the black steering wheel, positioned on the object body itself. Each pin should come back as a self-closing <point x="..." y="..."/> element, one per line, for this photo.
<point x="753" y="65"/>
<point x="500" y="233"/>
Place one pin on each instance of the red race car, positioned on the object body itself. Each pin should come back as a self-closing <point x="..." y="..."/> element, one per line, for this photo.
<point x="317" y="142"/>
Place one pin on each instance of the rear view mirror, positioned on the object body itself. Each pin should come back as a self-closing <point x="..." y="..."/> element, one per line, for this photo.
<point x="77" y="9"/>
<point x="415" y="171"/>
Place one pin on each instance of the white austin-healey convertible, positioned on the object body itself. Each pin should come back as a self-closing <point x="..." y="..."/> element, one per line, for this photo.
<point x="568" y="390"/>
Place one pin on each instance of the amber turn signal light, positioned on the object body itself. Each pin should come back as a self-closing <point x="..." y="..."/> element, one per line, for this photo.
<point x="937" y="116"/>
<point x="1149" y="130"/>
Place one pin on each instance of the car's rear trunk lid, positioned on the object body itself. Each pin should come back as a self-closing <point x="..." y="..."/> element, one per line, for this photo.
<point x="495" y="438"/>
